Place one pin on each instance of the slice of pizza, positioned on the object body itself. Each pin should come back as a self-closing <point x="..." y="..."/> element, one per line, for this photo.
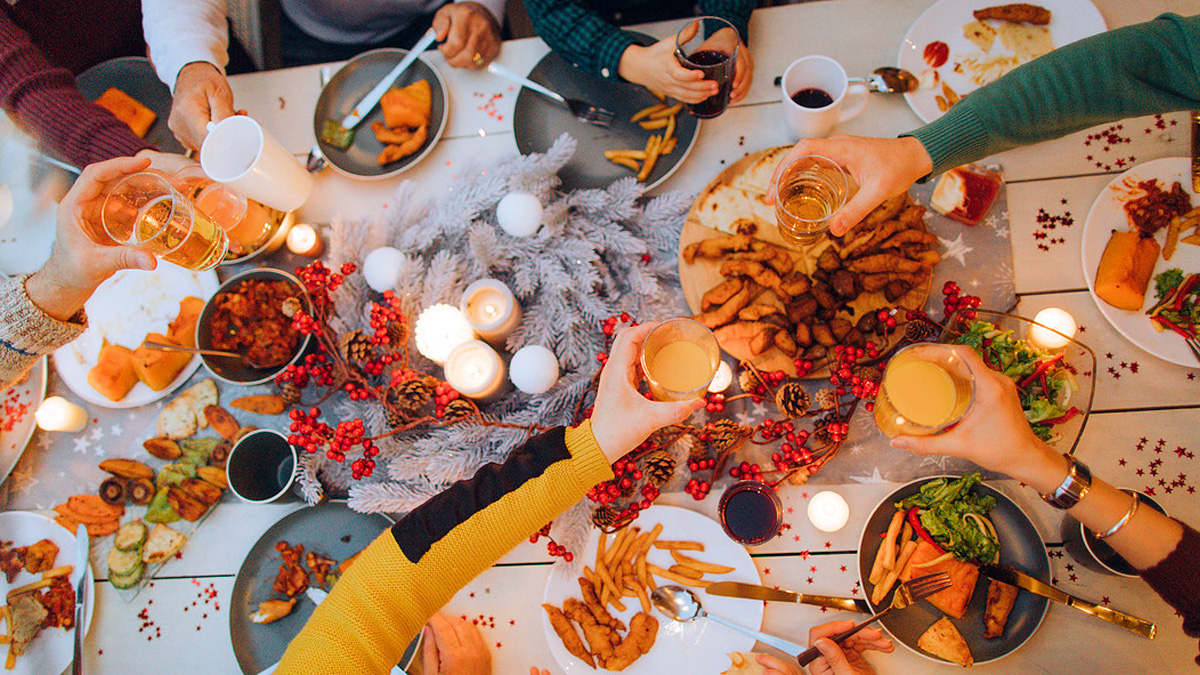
<point x="944" y="641"/>
<point x="953" y="600"/>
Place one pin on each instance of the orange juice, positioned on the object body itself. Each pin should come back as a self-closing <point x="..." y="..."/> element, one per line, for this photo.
<point x="921" y="396"/>
<point x="680" y="366"/>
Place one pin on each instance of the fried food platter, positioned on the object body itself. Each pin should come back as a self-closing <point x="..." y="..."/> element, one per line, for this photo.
<point x="747" y="247"/>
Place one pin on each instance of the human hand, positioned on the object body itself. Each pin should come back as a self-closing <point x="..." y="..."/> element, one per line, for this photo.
<point x="469" y="34"/>
<point x="848" y="658"/>
<point x="534" y="670"/>
<point x="622" y="417"/>
<point x="882" y="167"/>
<point x="743" y="74"/>
<point x="202" y="95"/>
<point x="656" y="68"/>
<point x="994" y="433"/>
<point x="453" y="646"/>
<point x="166" y="162"/>
<point x="777" y="666"/>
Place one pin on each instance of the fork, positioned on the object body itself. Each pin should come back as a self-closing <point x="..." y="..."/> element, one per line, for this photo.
<point x="1194" y="345"/>
<point x="908" y="593"/>
<point x="316" y="160"/>
<point x="582" y="110"/>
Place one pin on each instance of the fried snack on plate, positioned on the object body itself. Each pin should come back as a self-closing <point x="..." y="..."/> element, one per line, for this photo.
<point x="721" y="293"/>
<point x="716" y="247"/>
<point x="963" y="576"/>
<point x="393" y="153"/>
<point x="272" y="610"/>
<point x="129" y="110"/>
<point x="158" y="368"/>
<point x="182" y="416"/>
<point x="1017" y="13"/>
<point x="40" y="556"/>
<point x="113" y="375"/>
<point x="261" y="404"/>
<point x="566" y="632"/>
<point x="943" y="640"/>
<point x="1125" y="269"/>
<point x="390" y="136"/>
<point x="643" y="629"/>
<point x="407" y="107"/>
<point x="183" y="329"/>
<point x="596" y="634"/>
<point x="1000" y="600"/>
<point x="730" y="308"/>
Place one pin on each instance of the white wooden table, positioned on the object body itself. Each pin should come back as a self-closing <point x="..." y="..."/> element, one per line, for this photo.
<point x="1150" y="399"/>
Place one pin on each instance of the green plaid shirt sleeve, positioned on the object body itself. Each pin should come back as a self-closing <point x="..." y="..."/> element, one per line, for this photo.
<point x="736" y="12"/>
<point x="579" y="35"/>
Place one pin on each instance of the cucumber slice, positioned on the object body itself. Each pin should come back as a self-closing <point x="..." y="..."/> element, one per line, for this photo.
<point x="131" y="536"/>
<point x="130" y="578"/>
<point x="121" y="562"/>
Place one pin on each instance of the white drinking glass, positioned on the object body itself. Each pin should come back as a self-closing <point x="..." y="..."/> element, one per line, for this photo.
<point x="845" y="100"/>
<point x="241" y="154"/>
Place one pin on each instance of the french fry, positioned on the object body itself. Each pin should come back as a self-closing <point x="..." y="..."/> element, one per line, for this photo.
<point x="63" y="571"/>
<point x="877" y="571"/>
<point x="600" y="546"/>
<point x="36" y="585"/>
<point x="643" y="573"/>
<point x="684" y="571"/>
<point x="648" y="111"/>
<point x="621" y="552"/>
<point x="669" y="146"/>
<point x="1173" y="230"/>
<point x="889" y="540"/>
<point x="642" y="597"/>
<point x="881" y="590"/>
<point x="666" y="112"/>
<point x="630" y="164"/>
<point x="651" y="158"/>
<point x="611" y="553"/>
<point x="11" y="661"/>
<point x="653" y="124"/>
<point x="906" y="533"/>
<point x="680" y="545"/>
<point x="700" y="565"/>
<point x="1193" y="239"/>
<point x="628" y="591"/>
<point x="658" y="94"/>
<point x="629" y="154"/>
<point x="670" y="131"/>
<point x="610" y="586"/>
<point x="677" y="578"/>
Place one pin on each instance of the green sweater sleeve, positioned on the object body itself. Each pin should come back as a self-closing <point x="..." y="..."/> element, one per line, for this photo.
<point x="580" y="35"/>
<point x="1142" y="69"/>
<point x="413" y="569"/>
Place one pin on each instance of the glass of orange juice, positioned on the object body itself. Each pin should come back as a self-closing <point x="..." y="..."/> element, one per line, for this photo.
<point x="926" y="388"/>
<point x="679" y="358"/>
<point x="145" y="210"/>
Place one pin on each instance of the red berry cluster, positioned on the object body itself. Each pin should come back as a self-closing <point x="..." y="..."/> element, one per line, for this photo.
<point x="837" y="431"/>
<point x="953" y="300"/>
<point x="714" y="403"/>
<point x="382" y="314"/>
<point x="442" y="395"/>
<point x="772" y="378"/>
<point x="887" y="320"/>
<point x="553" y="548"/>
<point x="698" y="489"/>
<point x="792" y="453"/>
<point x="843" y="378"/>
<point x="609" y="325"/>
<point x="315" y="367"/>
<point x="304" y="323"/>
<point x="770" y="430"/>
<point x="357" y="393"/>
<point x="321" y="281"/>
<point x="803" y="367"/>
<point x="308" y="431"/>
<point x="706" y="464"/>
<point x="747" y="471"/>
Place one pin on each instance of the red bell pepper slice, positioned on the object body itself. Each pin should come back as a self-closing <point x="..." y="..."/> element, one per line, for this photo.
<point x="1167" y="323"/>
<point x="914" y="519"/>
<point x="1065" y="417"/>
<point x="1039" y="371"/>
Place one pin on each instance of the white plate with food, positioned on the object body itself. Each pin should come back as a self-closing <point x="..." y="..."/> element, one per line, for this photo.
<point x="18" y="404"/>
<point x="123" y="311"/>
<point x="698" y="646"/>
<point x="1108" y="213"/>
<point x="51" y="649"/>
<point x="954" y="53"/>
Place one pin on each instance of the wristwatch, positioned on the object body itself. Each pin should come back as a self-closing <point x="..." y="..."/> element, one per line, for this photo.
<point x="1074" y="486"/>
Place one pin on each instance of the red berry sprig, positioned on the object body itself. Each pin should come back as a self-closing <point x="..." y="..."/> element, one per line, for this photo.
<point x="953" y="300"/>
<point x="747" y="471"/>
<point x="698" y="489"/>
<point x="553" y="548"/>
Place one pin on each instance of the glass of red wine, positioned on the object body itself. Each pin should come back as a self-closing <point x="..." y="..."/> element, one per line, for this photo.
<point x="750" y="512"/>
<point x="709" y="44"/>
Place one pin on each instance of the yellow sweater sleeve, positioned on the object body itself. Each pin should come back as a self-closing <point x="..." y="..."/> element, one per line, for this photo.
<point x="385" y="598"/>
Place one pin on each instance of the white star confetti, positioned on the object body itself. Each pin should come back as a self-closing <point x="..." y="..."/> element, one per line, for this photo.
<point x="116" y="430"/>
<point x="81" y="445"/>
<point x="875" y="477"/>
<point x="956" y="249"/>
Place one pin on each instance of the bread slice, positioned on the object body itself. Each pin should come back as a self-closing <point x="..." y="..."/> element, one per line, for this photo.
<point x="162" y="543"/>
<point x="944" y="641"/>
<point x="183" y="416"/>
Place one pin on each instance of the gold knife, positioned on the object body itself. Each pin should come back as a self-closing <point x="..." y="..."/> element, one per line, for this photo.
<point x="1022" y="580"/>
<point x="1196" y="150"/>
<point x="734" y="589"/>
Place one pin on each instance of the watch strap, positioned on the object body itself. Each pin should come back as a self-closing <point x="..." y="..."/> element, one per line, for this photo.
<point x="1073" y="488"/>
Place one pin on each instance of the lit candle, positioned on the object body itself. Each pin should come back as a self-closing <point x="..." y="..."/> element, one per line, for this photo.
<point x="475" y="370"/>
<point x="58" y="414"/>
<point x="439" y="330"/>
<point x="722" y="379"/>
<point x="1041" y="335"/>
<point x="828" y="511"/>
<point x="491" y="309"/>
<point x="302" y="240"/>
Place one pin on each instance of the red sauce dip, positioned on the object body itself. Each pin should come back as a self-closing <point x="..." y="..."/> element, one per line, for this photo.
<point x="936" y="53"/>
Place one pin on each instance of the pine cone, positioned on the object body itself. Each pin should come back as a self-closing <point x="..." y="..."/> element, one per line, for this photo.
<point x="827" y="399"/>
<point x="663" y="437"/>
<point x="920" y="330"/>
<point x="792" y="400"/>
<point x="726" y="434"/>
<point x="866" y="372"/>
<point x="397" y="332"/>
<point x="749" y="381"/>
<point x="820" y="434"/>
<point x="355" y="346"/>
<point x="460" y="408"/>
<point x="410" y="394"/>
<point x="290" y="393"/>
<point x="604" y="516"/>
<point x="394" y="418"/>
<point x="659" y="467"/>
<point x="799" y="477"/>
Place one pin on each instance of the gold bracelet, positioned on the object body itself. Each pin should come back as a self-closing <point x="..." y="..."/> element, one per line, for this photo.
<point x="1124" y="519"/>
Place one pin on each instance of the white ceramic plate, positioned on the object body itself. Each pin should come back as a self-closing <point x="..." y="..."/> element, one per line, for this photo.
<point x="19" y="403"/>
<point x="1070" y="20"/>
<point x="123" y="310"/>
<point x="52" y="649"/>
<point x="698" y="646"/>
<point x="1108" y="214"/>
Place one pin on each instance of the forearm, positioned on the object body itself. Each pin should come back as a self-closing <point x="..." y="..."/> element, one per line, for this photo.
<point x="179" y="32"/>
<point x="736" y="12"/>
<point x="27" y="332"/>
<point x="412" y="570"/>
<point x="1138" y="70"/>
<point x="580" y="35"/>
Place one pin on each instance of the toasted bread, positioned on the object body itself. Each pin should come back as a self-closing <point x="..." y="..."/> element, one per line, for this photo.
<point x="162" y="543"/>
<point x="944" y="641"/>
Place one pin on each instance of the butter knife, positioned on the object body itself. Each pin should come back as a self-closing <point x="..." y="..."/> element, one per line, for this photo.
<point x="1022" y="580"/>
<point x="734" y="589"/>
<point x="1196" y="150"/>
<point x="82" y="546"/>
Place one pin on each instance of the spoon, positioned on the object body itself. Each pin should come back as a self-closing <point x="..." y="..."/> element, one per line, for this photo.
<point x="164" y="347"/>
<point x="682" y="605"/>
<point x="889" y="80"/>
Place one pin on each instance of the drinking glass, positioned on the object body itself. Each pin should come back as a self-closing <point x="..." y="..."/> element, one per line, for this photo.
<point x="146" y="211"/>
<point x="713" y="51"/>
<point x="679" y="358"/>
<point x="751" y="513"/>
<point x="247" y="223"/>
<point x="809" y="191"/>
<point x="926" y="388"/>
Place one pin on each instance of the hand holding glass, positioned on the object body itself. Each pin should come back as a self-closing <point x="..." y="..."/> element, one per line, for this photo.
<point x="144" y="210"/>
<point x="926" y="389"/>
<point x="808" y="192"/>
<point x="679" y="358"/>
<point x="710" y="45"/>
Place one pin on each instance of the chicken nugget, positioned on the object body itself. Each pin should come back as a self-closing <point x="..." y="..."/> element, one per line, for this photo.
<point x="390" y="136"/>
<point x="566" y="632"/>
<point x="643" y="629"/>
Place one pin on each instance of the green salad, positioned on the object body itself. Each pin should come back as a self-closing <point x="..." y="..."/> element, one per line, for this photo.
<point x="1178" y="306"/>
<point x="951" y="517"/>
<point x="1044" y="382"/>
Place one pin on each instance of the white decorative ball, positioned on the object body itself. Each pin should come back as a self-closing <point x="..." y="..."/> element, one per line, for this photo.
<point x="534" y="369"/>
<point x="382" y="268"/>
<point x="519" y="214"/>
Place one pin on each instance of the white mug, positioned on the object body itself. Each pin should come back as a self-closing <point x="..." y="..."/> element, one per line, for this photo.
<point x="827" y="75"/>
<point x="241" y="154"/>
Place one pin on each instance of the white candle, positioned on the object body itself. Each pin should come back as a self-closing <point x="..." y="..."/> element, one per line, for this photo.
<point x="491" y="309"/>
<point x="476" y="371"/>
<point x="722" y="379"/>
<point x="439" y="330"/>
<point x="58" y="414"/>
<point x="302" y="240"/>
<point x="828" y="511"/>
<point x="1040" y="334"/>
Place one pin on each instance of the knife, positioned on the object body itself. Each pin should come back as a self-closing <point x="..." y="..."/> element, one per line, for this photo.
<point x="1196" y="150"/>
<point x="1022" y="580"/>
<point x="82" y="556"/>
<point x="734" y="589"/>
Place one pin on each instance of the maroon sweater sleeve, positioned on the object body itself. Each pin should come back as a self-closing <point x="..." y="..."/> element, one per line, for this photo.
<point x="1177" y="579"/>
<point x="45" y="103"/>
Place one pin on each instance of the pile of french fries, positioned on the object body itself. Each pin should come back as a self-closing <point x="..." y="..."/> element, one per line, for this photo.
<point x="623" y="571"/>
<point x="897" y="547"/>
<point x="1179" y="224"/>
<point x="48" y="578"/>
<point x="657" y="116"/>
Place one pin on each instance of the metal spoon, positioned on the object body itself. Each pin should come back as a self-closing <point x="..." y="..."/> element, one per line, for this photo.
<point x="681" y="604"/>
<point x="164" y="347"/>
<point x="889" y="80"/>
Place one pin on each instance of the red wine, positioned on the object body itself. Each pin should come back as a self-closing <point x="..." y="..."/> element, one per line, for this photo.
<point x="812" y="98"/>
<point x="750" y="512"/>
<point x="718" y="67"/>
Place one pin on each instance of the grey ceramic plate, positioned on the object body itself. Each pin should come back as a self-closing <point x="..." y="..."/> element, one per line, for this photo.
<point x="346" y="89"/>
<point x="538" y="122"/>
<point x="135" y="76"/>
<point x="1020" y="547"/>
<point x="331" y="530"/>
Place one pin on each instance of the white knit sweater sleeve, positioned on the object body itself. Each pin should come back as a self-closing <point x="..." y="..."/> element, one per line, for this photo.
<point x="180" y="32"/>
<point x="496" y="7"/>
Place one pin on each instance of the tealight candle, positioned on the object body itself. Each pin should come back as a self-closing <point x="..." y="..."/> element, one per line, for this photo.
<point x="491" y="309"/>
<point x="302" y="240"/>
<point x="476" y="371"/>
<point x="1054" y="318"/>
<point x="58" y="414"/>
<point x="722" y="379"/>
<point x="439" y="330"/>
<point x="828" y="511"/>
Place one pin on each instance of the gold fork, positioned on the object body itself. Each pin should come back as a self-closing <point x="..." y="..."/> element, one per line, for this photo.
<point x="906" y="594"/>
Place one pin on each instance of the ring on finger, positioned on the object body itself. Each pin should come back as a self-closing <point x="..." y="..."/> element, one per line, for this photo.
<point x="477" y="59"/>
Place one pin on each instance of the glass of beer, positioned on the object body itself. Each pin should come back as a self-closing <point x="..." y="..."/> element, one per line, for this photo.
<point x="679" y="358"/>
<point x="713" y="51"/>
<point x="809" y="191"/>
<point x="247" y="224"/>
<point x="926" y="389"/>
<point x="146" y="211"/>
